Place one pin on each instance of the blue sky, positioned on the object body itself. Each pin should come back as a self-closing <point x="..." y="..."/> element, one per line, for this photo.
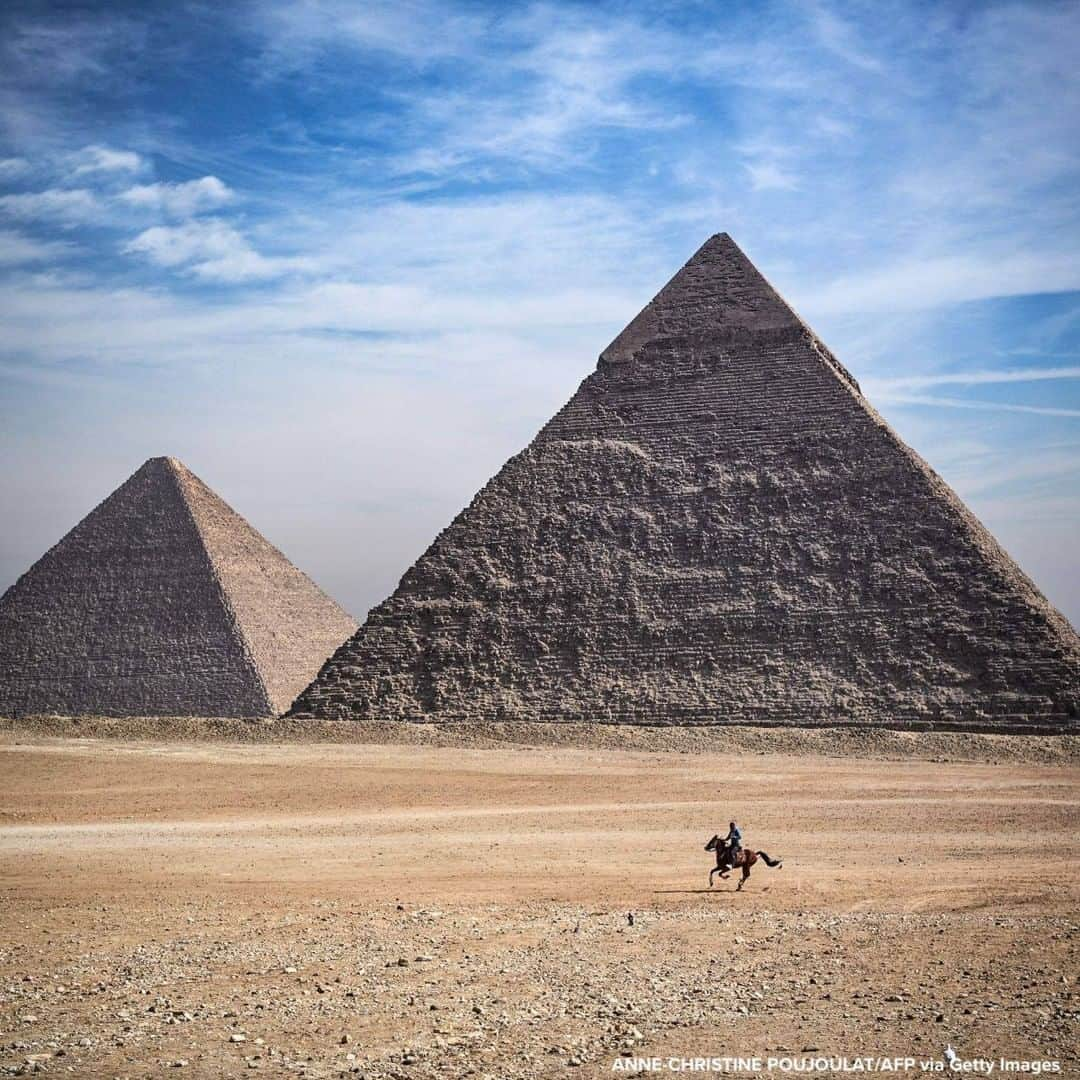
<point x="345" y="258"/>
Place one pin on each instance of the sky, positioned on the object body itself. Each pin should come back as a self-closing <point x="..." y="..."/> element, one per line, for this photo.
<point x="343" y="259"/>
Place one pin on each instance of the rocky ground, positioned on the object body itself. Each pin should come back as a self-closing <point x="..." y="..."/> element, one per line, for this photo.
<point x="214" y="910"/>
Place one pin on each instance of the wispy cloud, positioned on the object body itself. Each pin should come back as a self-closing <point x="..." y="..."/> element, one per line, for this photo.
<point x="768" y="176"/>
<point x="841" y="38"/>
<point x="18" y="250"/>
<point x="179" y="199"/>
<point x="209" y="249"/>
<point x="65" y="207"/>
<point x="972" y="378"/>
<point x="63" y="49"/>
<point x="46" y="52"/>
<point x="528" y="87"/>
<point x="295" y="35"/>
<point x="103" y="159"/>
<point x="12" y="168"/>
<point x="943" y="279"/>
<point x="990" y="406"/>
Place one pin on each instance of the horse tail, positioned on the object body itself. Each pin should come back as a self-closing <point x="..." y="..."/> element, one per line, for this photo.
<point x="770" y="862"/>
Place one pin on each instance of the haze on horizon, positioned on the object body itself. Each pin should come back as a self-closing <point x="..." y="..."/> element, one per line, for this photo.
<point x="344" y="262"/>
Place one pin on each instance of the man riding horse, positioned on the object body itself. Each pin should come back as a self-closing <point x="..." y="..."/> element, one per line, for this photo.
<point x="733" y="842"/>
<point x="730" y="853"/>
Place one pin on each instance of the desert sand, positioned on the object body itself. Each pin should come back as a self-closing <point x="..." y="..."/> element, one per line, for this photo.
<point x="214" y="909"/>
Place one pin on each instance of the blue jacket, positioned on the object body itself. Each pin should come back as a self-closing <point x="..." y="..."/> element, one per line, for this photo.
<point x="734" y="836"/>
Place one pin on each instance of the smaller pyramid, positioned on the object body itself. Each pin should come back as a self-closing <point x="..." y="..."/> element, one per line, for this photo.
<point x="163" y="601"/>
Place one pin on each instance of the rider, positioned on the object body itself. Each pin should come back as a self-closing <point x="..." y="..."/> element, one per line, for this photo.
<point x="734" y="842"/>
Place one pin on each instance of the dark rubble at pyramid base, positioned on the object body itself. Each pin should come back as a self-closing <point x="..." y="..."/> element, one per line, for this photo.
<point x="716" y="529"/>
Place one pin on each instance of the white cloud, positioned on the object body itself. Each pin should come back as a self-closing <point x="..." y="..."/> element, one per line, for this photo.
<point x="987" y="406"/>
<point x="416" y="31"/>
<point x="767" y="176"/>
<point x="829" y="127"/>
<point x="841" y="38"/>
<point x="57" y="206"/>
<point x="509" y="271"/>
<point x="970" y="378"/>
<point x="14" y="167"/>
<point x="530" y="87"/>
<point x="936" y="280"/>
<point x="17" y="249"/>
<point x="103" y="159"/>
<point x="179" y="199"/>
<point x="212" y="249"/>
<point x="68" y="49"/>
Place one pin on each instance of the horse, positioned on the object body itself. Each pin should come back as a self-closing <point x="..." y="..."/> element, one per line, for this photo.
<point x="746" y="859"/>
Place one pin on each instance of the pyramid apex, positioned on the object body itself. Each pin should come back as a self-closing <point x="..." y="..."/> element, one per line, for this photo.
<point x="717" y="242"/>
<point x="161" y="461"/>
<point x="717" y="292"/>
<point x="164" y="465"/>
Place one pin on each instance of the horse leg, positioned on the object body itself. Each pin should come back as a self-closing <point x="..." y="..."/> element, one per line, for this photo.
<point x="745" y="875"/>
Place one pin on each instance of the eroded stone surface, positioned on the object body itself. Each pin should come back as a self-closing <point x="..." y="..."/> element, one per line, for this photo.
<point x="717" y="528"/>
<point x="163" y="601"/>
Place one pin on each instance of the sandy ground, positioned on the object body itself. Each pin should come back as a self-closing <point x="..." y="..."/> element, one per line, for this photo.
<point x="213" y="910"/>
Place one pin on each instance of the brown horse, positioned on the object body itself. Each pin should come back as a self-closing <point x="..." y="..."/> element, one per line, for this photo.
<point x="746" y="858"/>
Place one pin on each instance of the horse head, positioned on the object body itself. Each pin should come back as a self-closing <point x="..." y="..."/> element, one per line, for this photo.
<point x="712" y="844"/>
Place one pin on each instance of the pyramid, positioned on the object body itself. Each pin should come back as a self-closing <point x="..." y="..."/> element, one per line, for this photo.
<point x="716" y="529"/>
<point x="163" y="602"/>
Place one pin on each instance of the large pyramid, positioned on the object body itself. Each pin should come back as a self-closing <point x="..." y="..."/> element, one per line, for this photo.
<point x="163" y="602"/>
<point x="717" y="528"/>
